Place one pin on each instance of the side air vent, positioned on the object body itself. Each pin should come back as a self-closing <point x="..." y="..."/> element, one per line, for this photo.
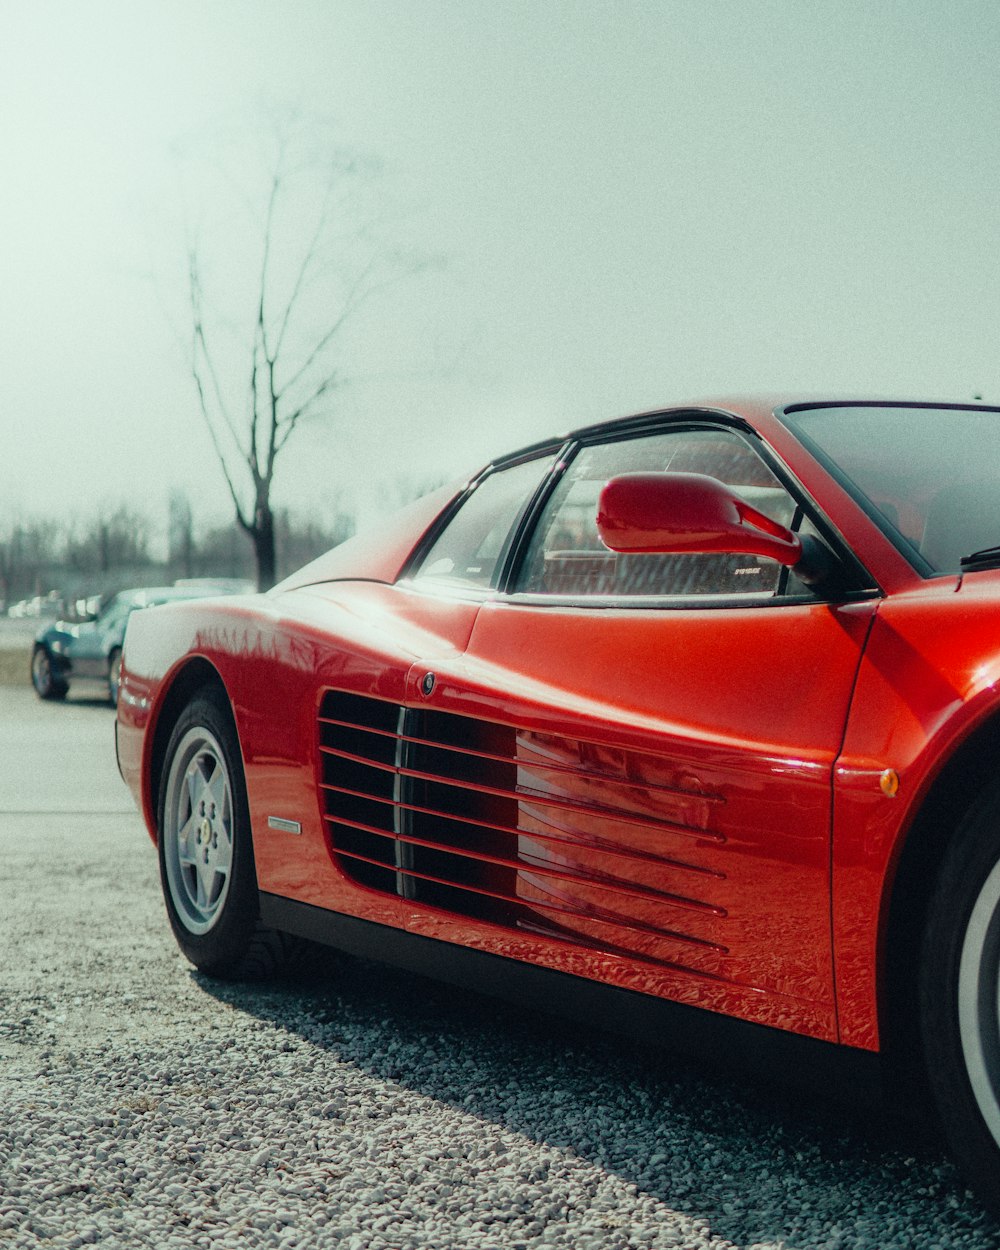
<point x="527" y="830"/>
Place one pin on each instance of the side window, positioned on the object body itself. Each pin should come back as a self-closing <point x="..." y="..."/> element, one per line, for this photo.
<point x="466" y="552"/>
<point x="566" y="556"/>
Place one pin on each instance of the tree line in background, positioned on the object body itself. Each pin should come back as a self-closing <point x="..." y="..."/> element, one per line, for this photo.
<point x="61" y="562"/>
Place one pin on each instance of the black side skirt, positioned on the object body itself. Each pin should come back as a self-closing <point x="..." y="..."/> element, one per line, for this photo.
<point x="845" y="1073"/>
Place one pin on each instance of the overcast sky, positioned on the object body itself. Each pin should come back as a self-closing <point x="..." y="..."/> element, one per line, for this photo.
<point x="640" y="202"/>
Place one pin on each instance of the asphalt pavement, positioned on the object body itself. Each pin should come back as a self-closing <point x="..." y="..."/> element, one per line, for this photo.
<point x="58" y="757"/>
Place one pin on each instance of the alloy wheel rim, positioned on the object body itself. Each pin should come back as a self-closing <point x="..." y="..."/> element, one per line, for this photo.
<point x="41" y="670"/>
<point x="198" y="830"/>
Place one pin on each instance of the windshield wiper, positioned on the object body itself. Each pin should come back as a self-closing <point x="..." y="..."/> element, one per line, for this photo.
<point x="988" y="558"/>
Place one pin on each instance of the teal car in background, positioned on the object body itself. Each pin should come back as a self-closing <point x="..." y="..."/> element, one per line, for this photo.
<point x="90" y="649"/>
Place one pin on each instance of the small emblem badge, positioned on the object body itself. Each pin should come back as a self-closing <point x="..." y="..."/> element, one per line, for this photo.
<point x="282" y="825"/>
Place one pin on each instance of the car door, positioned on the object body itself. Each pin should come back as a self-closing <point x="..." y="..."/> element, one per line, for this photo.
<point x="92" y="645"/>
<point x="627" y="774"/>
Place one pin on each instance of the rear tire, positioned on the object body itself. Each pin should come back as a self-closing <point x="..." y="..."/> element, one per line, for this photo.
<point x="207" y="869"/>
<point x="960" y="997"/>
<point x="47" y="685"/>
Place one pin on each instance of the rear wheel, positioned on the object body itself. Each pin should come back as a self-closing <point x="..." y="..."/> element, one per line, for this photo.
<point x="960" y="997"/>
<point x="206" y="853"/>
<point x="47" y="685"/>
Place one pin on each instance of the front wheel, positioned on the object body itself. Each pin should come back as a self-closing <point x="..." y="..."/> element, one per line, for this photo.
<point x="114" y="675"/>
<point x="206" y="853"/>
<point x="960" y="997"/>
<point x="43" y="677"/>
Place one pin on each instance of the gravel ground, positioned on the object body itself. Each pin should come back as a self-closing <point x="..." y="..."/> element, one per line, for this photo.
<point x="142" y="1105"/>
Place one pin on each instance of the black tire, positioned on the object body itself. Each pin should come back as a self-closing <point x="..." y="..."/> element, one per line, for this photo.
<point x="960" y="997"/>
<point x="207" y="867"/>
<point x="114" y="675"/>
<point x="47" y="685"/>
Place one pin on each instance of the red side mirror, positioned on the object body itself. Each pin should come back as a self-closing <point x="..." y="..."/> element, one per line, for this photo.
<point x="688" y="513"/>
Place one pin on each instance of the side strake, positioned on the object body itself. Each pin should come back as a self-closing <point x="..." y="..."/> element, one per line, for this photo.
<point x="480" y="819"/>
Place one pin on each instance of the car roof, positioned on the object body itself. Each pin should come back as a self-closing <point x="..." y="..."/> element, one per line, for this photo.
<point x="754" y="408"/>
<point x="147" y="595"/>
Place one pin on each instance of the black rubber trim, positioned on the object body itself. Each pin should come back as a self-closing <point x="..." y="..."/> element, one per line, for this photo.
<point x="656" y="419"/>
<point x="771" y="1054"/>
<point x="679" y="603"/>
<point x="441" y="522"/>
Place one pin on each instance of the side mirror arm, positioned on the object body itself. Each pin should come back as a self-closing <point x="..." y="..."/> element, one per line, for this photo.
<point x="818" y="567"/>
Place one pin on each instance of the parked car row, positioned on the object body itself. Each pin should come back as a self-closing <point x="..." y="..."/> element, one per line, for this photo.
<point x="36" y="606"/>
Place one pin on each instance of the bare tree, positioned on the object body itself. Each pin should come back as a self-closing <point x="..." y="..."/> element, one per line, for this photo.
<point x="262" y="373"/>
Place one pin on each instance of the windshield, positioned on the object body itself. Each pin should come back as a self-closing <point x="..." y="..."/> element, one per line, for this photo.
<point x="115" y="609"/>
<point x="930" y="477"/>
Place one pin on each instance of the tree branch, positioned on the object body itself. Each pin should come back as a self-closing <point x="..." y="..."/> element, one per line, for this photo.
<point x="200" y="343"/>
<point x="288" y="424"/>
<point x="307" y="260"/>
<point x="259" y="353"/>
<point x="353" y="301"/>
<point x="222" y="459"/>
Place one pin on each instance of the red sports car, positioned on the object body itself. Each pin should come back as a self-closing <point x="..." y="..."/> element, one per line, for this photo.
<point x="697" y="709"/>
